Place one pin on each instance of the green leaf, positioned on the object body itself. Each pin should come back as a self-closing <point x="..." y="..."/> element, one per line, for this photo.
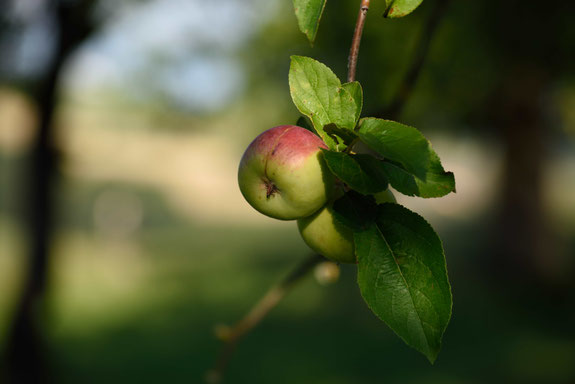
<point x="399" y="8"/>
<point x="356" y="92"/>
<point x="344" y="137"/>
<point x="397" y="142"/>
<point x="304" y="123"/>
<point x="354" y="210"/>
<point x="437" y="182"/>
<point x="363" y="173"/>
<point x="308" y="14"/>
<point x="402" y="277"/>
<point x="317" y="93"/>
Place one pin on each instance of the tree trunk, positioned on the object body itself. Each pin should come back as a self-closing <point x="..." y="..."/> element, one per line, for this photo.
<point x="521" y="230"/>
<point x="25" y="352"/>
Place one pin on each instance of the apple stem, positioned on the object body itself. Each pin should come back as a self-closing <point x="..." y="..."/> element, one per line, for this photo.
<point x="354" y="50"/>
<point x="349" y="148"/>
<point x="257" y="314"/>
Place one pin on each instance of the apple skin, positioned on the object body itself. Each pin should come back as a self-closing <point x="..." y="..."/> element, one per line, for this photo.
<point x="328" y="237"/>
<point x="282" y="173"/>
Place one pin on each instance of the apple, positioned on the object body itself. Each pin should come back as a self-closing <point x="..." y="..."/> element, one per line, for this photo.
<point x="327" y="236"/>
<point x="282" y="173"/>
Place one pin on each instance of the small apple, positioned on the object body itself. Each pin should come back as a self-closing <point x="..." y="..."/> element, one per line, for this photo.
<point x="327" y="236"/>
<point x="282" y="174"/>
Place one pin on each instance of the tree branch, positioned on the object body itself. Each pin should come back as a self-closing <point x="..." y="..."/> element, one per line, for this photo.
<point x="276" y="293"/>
<point x="354" y="50"/>
<point x="393" y="111"/>
<point x="257" y="314"/>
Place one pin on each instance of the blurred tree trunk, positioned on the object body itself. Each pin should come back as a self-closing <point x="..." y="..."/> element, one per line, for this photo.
<point x="532" y="60"/>
<point x="25" y="359"/>
<point x="521" y="230"/>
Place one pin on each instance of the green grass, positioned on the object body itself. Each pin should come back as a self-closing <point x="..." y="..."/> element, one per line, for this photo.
<point x="142" y="308"/>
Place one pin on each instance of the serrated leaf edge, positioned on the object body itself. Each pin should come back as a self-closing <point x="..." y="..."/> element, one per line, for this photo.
<point x="430" y="356"/>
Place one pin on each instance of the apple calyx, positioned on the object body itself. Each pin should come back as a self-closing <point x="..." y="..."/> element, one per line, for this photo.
<point x="271" y="188"/>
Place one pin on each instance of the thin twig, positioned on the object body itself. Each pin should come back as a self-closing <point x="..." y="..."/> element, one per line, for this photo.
<point x="393" y="111"/>
<point x="354" y="50"/>
<point x="257" y="314"/>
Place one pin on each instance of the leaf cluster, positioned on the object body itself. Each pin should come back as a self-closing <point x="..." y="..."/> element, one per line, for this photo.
<point x="399" y="155"/>
<point x="402" y="273"/>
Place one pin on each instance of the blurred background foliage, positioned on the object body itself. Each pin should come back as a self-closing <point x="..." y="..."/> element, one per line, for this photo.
<point x="128" y="119"/>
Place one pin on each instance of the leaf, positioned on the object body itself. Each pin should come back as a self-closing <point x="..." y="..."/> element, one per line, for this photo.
<point x="403" y="279"/>
<point x="317" y="93"/>
<point x="356" y="92"/>
<point x="304" y="123"/>
<point x="363" y="173"/>
<point x="308" y="14"/>
<point x="437" y="182"/>
<point x="399" y="8"/>
<point x="344" y="137"/>
<point x="355" y="210"/>
<point x="397" y="142"/>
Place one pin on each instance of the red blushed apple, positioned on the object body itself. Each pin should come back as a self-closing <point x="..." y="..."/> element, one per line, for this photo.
<point x="282" y="174"/>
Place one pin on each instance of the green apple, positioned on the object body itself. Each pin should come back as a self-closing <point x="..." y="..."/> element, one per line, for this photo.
<point x="327" y="236"/>
<point x="282" y="173"/>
